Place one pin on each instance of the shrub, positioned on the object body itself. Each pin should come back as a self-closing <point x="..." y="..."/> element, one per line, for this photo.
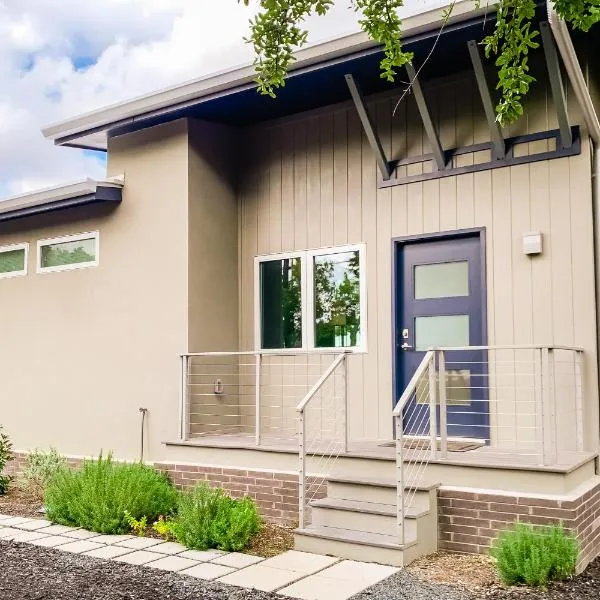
<point x="138" y="526"/>
<point x="207" y="518"/>
<point x="98" y="496"/>
<point x="535" y="555"/>
<point x="5" y="456"/>
<point x="39" y="469"/>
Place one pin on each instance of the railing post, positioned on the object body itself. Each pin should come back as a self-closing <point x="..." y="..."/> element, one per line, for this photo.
<point x="549" y="400"/>
<point x="400" y="483"/>
<point x="443" y="406"/>
<point x="257" y="363"/>
<point x="433" y="408"/>
<point x="184" y="411"/>
<point x="539" y="402"/>
<point x="302" y="470"/>
<point x="579" y="400"/>
<point x="345" y="403"/>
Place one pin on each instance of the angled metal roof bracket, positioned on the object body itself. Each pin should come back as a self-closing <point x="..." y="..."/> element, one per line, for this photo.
<point x="556" y="85"/>
<point x="436" y="148"/>
<point x="498" y="143"/>
<point x="367" y="123"/>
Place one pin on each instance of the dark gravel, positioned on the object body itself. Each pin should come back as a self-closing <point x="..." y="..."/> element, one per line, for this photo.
<point x="406" y="586"/>
<point x="33" y="573"/>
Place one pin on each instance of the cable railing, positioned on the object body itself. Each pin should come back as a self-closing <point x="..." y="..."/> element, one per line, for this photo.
<point x="522" y="404"/>
<point x="247" y="396"/>
<point x="322" y="433"/>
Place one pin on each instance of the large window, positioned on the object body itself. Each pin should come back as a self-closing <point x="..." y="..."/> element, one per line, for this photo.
<point x="311" y="299"/>
<point x="13" y="260"/>
<point x="70" y="252"/>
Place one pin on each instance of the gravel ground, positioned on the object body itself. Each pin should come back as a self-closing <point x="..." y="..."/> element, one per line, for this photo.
<point x="404" y="585"/>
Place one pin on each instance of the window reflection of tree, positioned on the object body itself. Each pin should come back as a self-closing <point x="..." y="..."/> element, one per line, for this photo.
<point x="54" y="256"/>
<point x="337" y="300"/>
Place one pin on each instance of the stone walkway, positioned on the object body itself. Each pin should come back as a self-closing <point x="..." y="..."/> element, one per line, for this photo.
<point x="293" y="574"/>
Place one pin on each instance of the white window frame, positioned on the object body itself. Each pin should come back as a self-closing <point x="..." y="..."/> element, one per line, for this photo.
<point x="95" y="235"/>
<point x="11" y="248"/>
<point x="307" y="298"/>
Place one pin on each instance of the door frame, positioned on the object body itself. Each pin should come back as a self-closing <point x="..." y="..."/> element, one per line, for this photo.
<point x="397" y="244"/>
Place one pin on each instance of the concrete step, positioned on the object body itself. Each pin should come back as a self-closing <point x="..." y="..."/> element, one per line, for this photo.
<point x="369" y="517"/>
<point x="356" y="545"/>
<point x="377" y="491"/>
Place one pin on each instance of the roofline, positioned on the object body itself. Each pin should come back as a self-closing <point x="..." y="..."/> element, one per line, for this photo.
<point x="237" y="79"/>
<point x="52" y="195"/>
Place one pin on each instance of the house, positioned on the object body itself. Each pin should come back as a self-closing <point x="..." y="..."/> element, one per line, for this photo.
<point x="369" y="308"/>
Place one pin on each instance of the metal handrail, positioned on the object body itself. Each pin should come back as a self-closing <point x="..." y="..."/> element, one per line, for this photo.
<point x="301" y="409"/>
<point x="412" y="384"/>
<point x="315" y="388"/>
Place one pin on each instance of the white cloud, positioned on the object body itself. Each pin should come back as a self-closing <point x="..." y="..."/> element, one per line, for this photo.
<point x="134" y="47"/>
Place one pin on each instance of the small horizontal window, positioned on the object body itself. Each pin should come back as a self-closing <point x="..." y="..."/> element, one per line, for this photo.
<point x="13" y="260"/>
<point x="71" y="252"/>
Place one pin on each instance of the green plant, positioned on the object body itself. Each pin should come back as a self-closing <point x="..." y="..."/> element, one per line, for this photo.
<point x="97" y="496"/>
<point x="163" y="527"/>
<point x="138" y="526"/>
<point x="535" y="555"/>
<point x="40" y="468"/>
<point x="5" y="456"/>
<point x="207" y="518"/>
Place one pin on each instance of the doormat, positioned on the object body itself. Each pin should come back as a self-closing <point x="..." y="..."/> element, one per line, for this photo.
<point x="453" y="445"/>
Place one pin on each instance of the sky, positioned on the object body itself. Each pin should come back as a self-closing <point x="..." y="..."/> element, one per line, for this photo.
<point x="61" y="58"/>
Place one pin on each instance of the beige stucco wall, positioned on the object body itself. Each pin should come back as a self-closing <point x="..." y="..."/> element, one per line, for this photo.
<point x="82" y="350"/>
<point x="310" y="182"/>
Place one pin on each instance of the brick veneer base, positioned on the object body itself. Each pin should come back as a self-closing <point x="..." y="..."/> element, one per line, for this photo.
<point x="275" y="493"/>
<point x="469" y="521"/>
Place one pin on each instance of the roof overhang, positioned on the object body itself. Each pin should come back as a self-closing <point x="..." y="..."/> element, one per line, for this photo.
<point x="49" y="200"/>
<point x="92" y="130"/>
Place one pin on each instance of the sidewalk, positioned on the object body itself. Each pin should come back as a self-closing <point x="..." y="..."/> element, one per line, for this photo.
<point x="293" y="574"/>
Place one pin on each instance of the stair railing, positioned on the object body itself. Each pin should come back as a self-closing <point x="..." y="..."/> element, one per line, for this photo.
<point x="415" y="412"/>
<point x="328" y="409"/>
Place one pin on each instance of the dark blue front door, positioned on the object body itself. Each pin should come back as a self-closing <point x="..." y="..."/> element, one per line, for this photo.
<point x="440" y="296"/>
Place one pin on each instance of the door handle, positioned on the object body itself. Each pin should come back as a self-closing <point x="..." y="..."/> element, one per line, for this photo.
<point x="406" y="347"/>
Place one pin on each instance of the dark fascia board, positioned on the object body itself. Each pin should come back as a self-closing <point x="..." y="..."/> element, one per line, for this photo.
<point x="103" y="195"/>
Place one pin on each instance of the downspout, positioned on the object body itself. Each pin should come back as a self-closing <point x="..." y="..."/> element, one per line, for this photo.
<point x="590" y="117"/>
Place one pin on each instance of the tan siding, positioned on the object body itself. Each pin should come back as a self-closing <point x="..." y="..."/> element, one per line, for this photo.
<point x="88" y="347"/>
<point x="330" y="189"/>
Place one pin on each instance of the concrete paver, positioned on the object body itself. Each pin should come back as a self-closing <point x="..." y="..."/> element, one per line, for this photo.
<point x="169" y="548"/>
<point x="319" y="588"/>
<point x="112" y="539"/>
<point x="7" y="533"/>
<point x="34" y="525"/>
<point x="80" y="546"/>
<point x="237" y="560"/>
<point x="338" y="582"/>
<point x="172" y="563"/>
<point x="267" y="579"/>
<point x="52" y="541"/>
<point x="14" y="521"/>
<point x="202" y="555"/>
<point x="28" y="536"/>
<point x="141" y="557"/>
<point x="208" y="571"/>
<point x="139" y="543"/>
<point x="59" y="529"/>
<point x="108" y="552"/>
<point x="302" y="562"/>
<point x="80" y="534"/>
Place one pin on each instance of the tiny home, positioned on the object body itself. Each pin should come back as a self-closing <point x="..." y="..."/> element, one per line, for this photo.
<point x="363" y="304"/>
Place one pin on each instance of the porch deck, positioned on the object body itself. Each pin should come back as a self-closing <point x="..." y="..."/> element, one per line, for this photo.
<point x="475" y="456"/>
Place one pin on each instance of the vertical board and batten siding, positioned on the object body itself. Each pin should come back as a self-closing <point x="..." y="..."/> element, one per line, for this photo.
<point x="311" y="181"/>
